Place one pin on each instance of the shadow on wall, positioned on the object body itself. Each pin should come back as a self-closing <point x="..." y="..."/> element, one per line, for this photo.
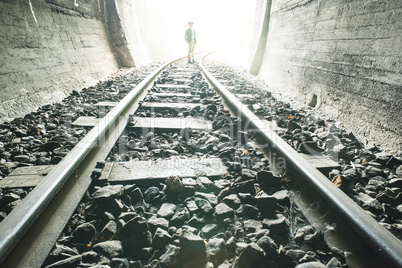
<point x="53" y="47"/>
<point x="350" y="50"/>
<point x="137" y="34"/>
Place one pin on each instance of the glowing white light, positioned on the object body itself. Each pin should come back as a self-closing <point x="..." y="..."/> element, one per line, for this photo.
<point x="219" y="24"/>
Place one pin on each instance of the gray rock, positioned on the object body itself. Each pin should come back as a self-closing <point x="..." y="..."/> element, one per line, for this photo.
<point x="9" y="198"/>
<point x="248" y="174"/>
<point x="189" y="185"/>
<point x="247" y="211"/>
<point x="152" y="194"/>
<point x="211" y="198"/>
<point x="306" y="234"/>
<point x="239" y="234"/>
<point x="339" y="151"/>
<point x="398" y="171"/>
<point x="181" y="215"/>
<point x="232" y="201"/>
<point x="170" y="257"/>
<point x="191" y="205"/>
<point x="127" y="216"/>
<point x="221" y="184"/>
<point x="269" y="246"/>
<point x="333" y="263"/>
<point x="154" y="222"/>
<point x="51" y="145"/>
<point x="309" y="257"/>
<point x="187" y="229"/>
<point x="266" y="203"/>
<point x="395" y="183"/>
<point x="250" y="256"/>
<point x="196" y="221"/>
<point x="68" y="262"/>
<point x="371" y="171"/>
<point x="282" y="197"/>
<point x="174" y="184"/>
<point x="120" y="263"/>
<point x="161" y="239"/>
<point x="136" y="195"/>
<point x="225" y="264"/>
<point x="367" y="202"/>
<point x="145" y="254"/>
<point x="223" y="211"/>
<point x="136" y="225"/>
<point x="204" y="205"/>
<point x="276" y="226"/>
<point x="267" y="178"/>
<point x="217" y="250"/>
<point x="90" y="257"/>
<point x="391" y="211"/>
<point x="252" y="226"/>
<point x="376" y="184"/>
<point x="84" y="233"/>
<point x="205" y="183"/>
<point x="234" y="166"/>
<point x="399" y="208"/>
<point x="166" y="210"/>
<point x="193" y="249"/>
<point x="312" y="100"/>
<point x="257" y="235"/>
<point x="384" y="197"/>
<point x="138" y="243"/>
<point x="21" y="158"/>
<point x="295" y="254"/>
<point x="114" y="206"/>
<point x="61" y="251"/>
<point x="135" y="264"/>
<point x="109" y="230"/>
<point x="109" y="191"/>
<point x="312" y="264"/>
<point x="351" y="174"/>
<point x="209" y="230"/>
<point x="110" y="249"/>
<point x="231" y="247"/>
<point x="244" y="187"/>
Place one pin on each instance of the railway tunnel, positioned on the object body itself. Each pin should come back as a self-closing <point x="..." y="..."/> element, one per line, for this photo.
<point x="340" y="57"/>
<point x="279" y="146"/>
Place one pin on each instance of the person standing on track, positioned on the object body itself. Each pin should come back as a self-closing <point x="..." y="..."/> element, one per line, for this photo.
<point x="191" y="40"/>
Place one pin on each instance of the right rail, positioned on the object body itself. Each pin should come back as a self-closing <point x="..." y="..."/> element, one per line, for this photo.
<point x="386" y="245"/>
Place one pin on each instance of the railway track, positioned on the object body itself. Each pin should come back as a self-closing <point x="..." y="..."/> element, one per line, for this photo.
<point x="142" y="133"/>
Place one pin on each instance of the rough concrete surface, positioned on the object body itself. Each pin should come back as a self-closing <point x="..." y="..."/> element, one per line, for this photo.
<point x="48" y="49"/>
<point x="51" y="47"/>
<point x="347" y="53"/>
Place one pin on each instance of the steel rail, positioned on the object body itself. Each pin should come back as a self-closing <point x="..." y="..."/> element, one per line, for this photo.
<point x="386" y="245"/>
<point x="17" y="224"/>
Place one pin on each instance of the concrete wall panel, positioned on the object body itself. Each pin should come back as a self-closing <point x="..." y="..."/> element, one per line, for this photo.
<point x="348" y="53"/>
<point x="48" y="49"/>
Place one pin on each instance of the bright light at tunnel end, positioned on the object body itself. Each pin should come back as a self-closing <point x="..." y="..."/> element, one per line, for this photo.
<point x="221" y="25"/>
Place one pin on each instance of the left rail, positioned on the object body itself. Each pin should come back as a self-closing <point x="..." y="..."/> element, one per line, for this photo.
<point x="37" y="220"/>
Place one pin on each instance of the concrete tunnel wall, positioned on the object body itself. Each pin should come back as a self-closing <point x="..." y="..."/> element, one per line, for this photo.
<point x="51" y="47"/>
<point x="348" y="53"/>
